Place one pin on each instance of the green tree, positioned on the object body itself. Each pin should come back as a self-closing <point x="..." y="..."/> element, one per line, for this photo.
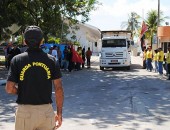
<point x="151" y="21"/>
<point x="20" y="39"/>
<point x="8" y="14"/>
<point x="48" y="14"/>
<point x="53" y="40"/>
<point x="132" y="24"/>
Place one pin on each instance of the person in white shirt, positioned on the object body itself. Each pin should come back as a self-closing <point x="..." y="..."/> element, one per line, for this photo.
<point x="54" y="52"/>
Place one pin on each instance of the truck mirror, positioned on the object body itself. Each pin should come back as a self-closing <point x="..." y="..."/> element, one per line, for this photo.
<point x="128" y="43"/>
<point x="95" y="44"/>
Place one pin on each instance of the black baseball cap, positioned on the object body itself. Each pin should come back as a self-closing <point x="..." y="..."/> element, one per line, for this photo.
<point x="33" y="35"/>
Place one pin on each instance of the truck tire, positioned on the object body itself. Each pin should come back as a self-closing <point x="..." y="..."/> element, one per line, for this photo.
<point x="128" y="67"/>
<point x="101" y="68"/>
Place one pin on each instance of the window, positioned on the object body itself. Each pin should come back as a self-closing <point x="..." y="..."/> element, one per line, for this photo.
<point x="165" y="46"/>
<point x="114" y="43"/>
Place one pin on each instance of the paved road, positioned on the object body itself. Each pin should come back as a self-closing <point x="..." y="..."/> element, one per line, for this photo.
<point x="3" y="75"/>
<point x="107" y="100"/>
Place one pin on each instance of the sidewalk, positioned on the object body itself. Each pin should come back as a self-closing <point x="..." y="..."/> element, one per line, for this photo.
<point x="138" y="60"/>
<point x="3" y="75"/>
<point x="95" y="61"/>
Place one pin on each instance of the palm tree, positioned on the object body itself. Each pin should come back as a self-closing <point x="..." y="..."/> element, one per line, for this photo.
<point x="151" y="21"/>
<point x="132" y="24"/>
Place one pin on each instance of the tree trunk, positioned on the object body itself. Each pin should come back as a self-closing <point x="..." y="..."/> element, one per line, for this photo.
<point x="151" y="38"/>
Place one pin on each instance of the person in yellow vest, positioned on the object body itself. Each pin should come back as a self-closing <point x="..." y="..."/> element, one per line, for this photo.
<point x="168" y="63"/>
<point x="160" y="61"/>
<point x="155" y="59"/>
<point x="144" y="59"/>
<point x="149" y="57"/>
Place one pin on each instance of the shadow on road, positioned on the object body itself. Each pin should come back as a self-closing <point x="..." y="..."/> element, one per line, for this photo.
<point x="116" y="98"/>
<point x="7" y="106"/>
<point x="3" y="72"/>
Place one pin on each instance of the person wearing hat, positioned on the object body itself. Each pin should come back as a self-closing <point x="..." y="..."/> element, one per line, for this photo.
<point x="160" y="59"/>
<point x="54" y="52"/>
<point x="144" y="59"/>
<point x="168" y="63"/>
<point x="155" y="60"/>
<point x="149" y="57"/>
<point x="30" y="77"/>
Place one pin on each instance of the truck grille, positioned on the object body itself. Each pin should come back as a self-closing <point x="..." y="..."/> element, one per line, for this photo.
<point x="114" y="54"/>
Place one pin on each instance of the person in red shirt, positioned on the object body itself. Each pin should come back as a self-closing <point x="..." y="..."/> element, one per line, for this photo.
<point x="88" y="57"/>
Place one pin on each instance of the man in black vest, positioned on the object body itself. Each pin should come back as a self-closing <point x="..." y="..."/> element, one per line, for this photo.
<point x="30" y="77"/>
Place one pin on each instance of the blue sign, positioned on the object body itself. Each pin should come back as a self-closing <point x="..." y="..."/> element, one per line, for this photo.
<point x="62" y="46"/>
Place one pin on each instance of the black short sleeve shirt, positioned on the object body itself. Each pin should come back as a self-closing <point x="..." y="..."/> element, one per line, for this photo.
<point x="34" y="71"/>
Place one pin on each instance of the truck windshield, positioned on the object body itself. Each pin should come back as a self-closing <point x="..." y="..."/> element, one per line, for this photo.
<point x="114" y="43"/>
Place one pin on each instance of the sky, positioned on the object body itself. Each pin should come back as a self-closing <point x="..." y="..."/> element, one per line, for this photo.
<point x="112" y="13"/>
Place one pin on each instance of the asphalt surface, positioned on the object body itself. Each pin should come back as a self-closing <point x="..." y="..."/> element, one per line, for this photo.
<point x="115" y="99"/>
<point x="3" y="75"/>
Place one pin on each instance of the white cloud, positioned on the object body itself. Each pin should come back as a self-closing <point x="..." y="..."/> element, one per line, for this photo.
<point x="113" y="12"/>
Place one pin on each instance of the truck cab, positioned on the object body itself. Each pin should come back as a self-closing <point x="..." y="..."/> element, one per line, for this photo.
<point x="115" y="52"/>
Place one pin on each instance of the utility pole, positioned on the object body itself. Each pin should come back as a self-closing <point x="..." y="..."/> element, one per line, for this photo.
<point x="62" y="25"/>
<point x="158" y="21"/>
<point x="158" y="12"/>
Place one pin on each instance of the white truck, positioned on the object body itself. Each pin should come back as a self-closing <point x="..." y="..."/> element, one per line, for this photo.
<point x="115" y="51"/>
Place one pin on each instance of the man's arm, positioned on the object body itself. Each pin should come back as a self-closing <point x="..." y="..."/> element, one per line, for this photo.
<point x="59" y="94"/>
<point x="11" y="87"/>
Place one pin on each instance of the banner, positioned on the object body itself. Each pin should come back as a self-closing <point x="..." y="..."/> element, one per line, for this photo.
<point x="142" y="35"/>
<point x="144" y="29"/>
<point x="75" y="56"/>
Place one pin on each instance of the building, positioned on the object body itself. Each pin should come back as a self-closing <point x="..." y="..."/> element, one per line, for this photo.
<point x="87" y="36"/>
<point x="164" y="37"/>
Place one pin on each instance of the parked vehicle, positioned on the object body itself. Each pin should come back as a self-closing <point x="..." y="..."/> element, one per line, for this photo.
<point x="2" y="56"/>
<point x="116" y="48"/>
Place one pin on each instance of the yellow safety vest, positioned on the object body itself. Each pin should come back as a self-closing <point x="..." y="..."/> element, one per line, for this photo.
<point x="168" y="57"/>
<point x="155" y="58"/>
<point x="149" y="54"/>
<point x="161" y="56"/>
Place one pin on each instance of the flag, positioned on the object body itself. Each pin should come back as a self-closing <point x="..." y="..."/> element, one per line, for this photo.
<point x="143" y="30"/>
<point x="142" y="35"/>
<point x="75" y="56"/>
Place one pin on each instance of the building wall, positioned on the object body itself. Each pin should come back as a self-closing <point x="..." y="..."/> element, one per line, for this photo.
<point x="87" y="35"/>
<point x="164" y="37"/>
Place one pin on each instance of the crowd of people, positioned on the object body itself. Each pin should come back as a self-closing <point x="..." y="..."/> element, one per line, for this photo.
<point x="157" y="61"/>
<point x="10" y="51"/>
<point x="68" y="59"/>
